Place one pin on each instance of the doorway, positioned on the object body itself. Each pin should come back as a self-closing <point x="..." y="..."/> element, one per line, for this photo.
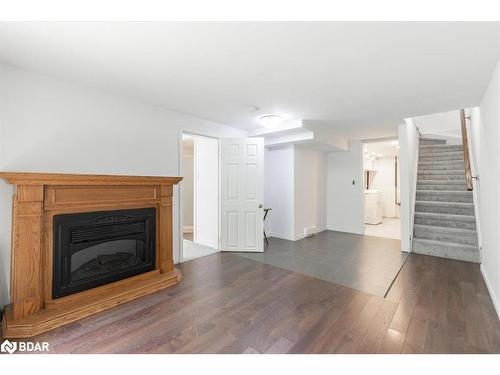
<point x="381" y="189"/>
<point x="200" y="196"/>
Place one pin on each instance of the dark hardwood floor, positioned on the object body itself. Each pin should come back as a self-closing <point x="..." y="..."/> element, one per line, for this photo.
<point x="231" y="304"/>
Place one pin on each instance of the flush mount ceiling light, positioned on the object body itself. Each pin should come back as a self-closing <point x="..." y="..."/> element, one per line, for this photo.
<point x="271" y="121"/>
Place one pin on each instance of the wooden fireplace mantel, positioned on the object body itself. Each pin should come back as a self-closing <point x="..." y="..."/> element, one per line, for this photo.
<point x="38" y="197"/>
<point x="25" y="178"/>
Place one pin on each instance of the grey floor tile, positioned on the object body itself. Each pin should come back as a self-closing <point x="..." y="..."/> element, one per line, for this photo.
<point x="361" y="262"/>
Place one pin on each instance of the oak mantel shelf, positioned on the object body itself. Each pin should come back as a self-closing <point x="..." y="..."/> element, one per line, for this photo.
<point x="29" y="178"/>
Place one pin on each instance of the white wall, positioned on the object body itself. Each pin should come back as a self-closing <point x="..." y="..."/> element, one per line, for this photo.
<point x="6" y="192"/>
<point x="473" y="125"/>
<point x="279" y="192"/>
<point x="310" y="173"/>
<point x="295" y="189"/>
<point x="485" y="141"/>
<point x="408" y="156"/>
<point x="345" y="207"/>
<point x="444" y="125"/>
<point x="52" y="126"/>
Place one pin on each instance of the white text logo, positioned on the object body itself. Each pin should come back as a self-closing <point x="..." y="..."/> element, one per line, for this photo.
<point x="21" y="346"/>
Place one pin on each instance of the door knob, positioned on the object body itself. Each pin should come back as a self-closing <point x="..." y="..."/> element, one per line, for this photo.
<point x="260" y="205"/>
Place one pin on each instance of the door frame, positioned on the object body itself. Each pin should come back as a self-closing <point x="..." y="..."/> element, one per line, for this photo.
<point x="180" y="205"/>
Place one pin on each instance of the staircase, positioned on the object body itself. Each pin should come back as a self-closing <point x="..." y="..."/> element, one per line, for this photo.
<point x="444" y="221"/>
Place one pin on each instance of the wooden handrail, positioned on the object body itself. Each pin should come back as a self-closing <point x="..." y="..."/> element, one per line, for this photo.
<point x="465" y="142"/>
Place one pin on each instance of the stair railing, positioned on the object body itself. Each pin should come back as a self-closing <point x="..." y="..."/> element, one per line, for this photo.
<point x="465" y="142"/>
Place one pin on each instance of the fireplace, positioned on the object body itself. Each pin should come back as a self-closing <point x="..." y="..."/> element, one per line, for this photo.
<point x="97" y="248"/>
<point x="82" y="244"/>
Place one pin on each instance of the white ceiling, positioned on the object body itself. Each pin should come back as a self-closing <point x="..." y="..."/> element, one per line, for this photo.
<point x="360" y="78"/>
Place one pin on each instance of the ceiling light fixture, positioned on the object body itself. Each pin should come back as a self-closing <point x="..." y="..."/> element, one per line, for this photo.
<point x="271" y="121"/>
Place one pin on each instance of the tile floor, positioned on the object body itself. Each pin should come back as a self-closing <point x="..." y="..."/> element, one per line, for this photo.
<point x="389" y="228"/>
<point x="362" y="262"/>
<point x="192" y="250"/>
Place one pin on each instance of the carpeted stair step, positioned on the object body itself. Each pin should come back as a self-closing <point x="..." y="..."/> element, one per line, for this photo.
<point x="455" y="208"/>
<point x="451" y="185"/>
<point x="445" y="220"/>
<point x="432" y="149"/>
<point x="439" y="153"/>
<point x="445" y="196"/>
<point x="454" y="174"/>
<point x="444" y="234"/>
<point x="448" y="250"/>
<point x="436" y="159"/>
<point x="447" y="156"/>
<point x="441" y="165"/>
<point x="431" y="141"/>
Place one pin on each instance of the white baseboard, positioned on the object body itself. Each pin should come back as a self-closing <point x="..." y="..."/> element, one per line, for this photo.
<point x="281" y="236"/>
<point x="321" y="229"/>
<point x="292" y="237"/>
<point x="491" y="291"/>
<point x="298" y="236"/>
<point x="187" y="229"/>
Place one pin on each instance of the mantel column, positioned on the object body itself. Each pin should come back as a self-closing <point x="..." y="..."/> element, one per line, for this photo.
<point x="166" y="238"/>
<point x="27" y="228"/>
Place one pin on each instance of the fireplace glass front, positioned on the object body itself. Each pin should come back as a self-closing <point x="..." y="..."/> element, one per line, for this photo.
<point x="97" y="248"/>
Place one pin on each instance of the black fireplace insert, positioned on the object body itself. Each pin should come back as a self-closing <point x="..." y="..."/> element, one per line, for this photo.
<point x="96" y="248"/>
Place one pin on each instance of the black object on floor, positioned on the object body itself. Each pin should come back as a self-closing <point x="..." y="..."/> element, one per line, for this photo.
<point x="266" y="211"/>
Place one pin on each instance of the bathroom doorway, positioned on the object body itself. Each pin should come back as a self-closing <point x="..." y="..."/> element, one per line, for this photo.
<point x="381" y="189"/>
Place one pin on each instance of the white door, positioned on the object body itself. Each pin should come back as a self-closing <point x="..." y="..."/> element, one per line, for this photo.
<point x="242" y="193"/>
